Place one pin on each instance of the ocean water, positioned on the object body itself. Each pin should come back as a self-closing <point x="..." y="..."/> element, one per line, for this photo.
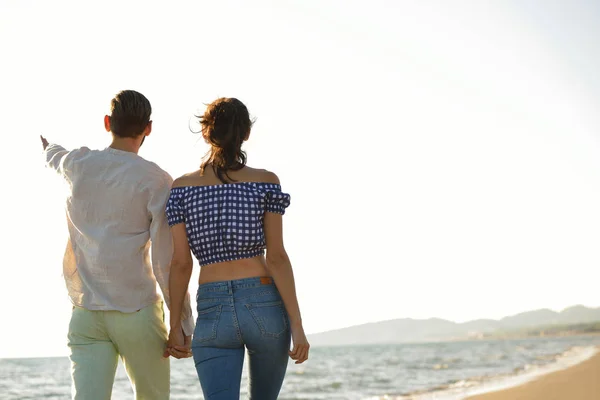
<point x="448" y="370"/>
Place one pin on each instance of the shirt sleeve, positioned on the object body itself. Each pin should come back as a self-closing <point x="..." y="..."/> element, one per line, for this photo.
<point x="174" y="209"/>
<point x="162" y="250"/>
<point x="277" y="201"/>
<point x="56" y="157"/>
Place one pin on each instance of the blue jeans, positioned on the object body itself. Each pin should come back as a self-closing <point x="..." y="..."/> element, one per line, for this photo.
<point x="234" y="316"/>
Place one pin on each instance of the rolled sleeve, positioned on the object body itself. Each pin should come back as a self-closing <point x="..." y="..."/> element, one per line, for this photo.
<point x="188" y="324"/>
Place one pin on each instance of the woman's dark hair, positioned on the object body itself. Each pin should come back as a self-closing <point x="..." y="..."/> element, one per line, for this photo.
<point x="225" y="124"/>
<point x="129" y="114"/>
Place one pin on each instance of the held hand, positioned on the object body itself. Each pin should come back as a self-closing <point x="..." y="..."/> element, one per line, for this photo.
<point x="178" y="345"/>
<point x="44" y="142"/>
<point x="300" y="351"/>
<point x="184" y="351"/>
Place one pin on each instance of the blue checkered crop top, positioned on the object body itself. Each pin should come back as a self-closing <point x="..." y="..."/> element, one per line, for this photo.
<point x="225" y="222"/>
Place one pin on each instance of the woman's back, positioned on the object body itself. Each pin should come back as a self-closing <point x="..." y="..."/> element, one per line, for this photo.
<point x="226" y="221"/>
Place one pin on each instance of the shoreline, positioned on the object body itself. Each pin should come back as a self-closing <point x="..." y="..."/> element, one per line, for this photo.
<point x="580" y="381"/>
<point x="512" y="386"/>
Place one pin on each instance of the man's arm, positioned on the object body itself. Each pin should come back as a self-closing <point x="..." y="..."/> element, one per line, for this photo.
<point x="162" y="250"/>
<point x="54" y="154"/>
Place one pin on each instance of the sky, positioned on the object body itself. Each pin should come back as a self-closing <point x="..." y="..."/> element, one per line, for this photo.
<point x="443" y="158"/>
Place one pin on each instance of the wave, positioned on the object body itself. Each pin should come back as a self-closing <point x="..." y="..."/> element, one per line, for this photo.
<point x="462" y="389"/>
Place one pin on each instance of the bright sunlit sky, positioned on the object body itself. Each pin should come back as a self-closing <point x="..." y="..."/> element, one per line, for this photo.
<point x="443" y="157"/>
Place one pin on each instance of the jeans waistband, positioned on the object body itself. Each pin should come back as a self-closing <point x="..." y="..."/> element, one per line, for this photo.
<point x="230" y="286"/>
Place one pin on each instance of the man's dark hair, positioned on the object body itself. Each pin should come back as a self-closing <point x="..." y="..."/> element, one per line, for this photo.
<point x="129" y="114"/>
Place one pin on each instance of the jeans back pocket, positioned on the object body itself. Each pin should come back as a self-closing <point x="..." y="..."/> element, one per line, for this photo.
<point x="270" y="317"/>
<point x="206" y="324"/>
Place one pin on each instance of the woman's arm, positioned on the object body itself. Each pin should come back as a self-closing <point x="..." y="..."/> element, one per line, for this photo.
<point x="179" y="279"/>
<point x="280" y="268"/>
<point x="162" y="248"/>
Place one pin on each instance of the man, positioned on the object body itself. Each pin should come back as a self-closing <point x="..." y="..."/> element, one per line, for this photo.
<point x="116" y="217"/>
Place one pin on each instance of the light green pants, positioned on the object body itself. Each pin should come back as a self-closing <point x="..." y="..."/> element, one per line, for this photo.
<point x="98" y="338"/>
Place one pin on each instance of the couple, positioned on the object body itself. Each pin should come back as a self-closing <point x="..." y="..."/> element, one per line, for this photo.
<point x="130" y="227"/>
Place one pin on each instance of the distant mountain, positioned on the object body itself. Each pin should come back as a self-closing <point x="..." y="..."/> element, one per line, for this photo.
<point x="579" y="314"/>
<point x="530" y="319"/>
<point x="420" y="330"/>
<point x="394" y="331"/>
<point x="480" y="325"/>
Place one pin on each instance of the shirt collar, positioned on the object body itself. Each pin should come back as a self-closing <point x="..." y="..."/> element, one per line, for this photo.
<point x="120" y="152"/>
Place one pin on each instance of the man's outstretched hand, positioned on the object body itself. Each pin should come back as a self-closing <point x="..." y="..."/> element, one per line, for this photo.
<point x="44" y="142"/>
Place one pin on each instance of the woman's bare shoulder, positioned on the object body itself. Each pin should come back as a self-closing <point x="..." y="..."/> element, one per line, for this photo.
<point x="263" y="175"/>
<point x="190" y="179"/>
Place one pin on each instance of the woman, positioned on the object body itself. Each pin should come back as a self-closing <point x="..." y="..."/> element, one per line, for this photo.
<point x="228" y="214"/>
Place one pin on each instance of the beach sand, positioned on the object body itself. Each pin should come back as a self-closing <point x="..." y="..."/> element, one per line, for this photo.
<point x="580" y="382"/>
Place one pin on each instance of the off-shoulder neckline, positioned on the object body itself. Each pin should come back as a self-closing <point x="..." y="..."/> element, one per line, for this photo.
<point x="226" y="185"/>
